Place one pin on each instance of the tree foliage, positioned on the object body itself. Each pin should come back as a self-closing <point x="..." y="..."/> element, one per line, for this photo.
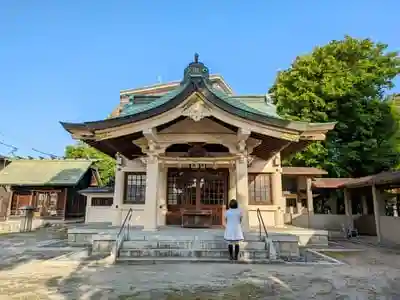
<point x="105" y="164"/>
<point x="344" y="81"/>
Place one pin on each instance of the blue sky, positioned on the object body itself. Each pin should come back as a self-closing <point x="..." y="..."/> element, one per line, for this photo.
<point x="66" y="60"/>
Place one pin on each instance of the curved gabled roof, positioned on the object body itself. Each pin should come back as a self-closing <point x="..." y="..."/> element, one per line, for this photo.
<point x="260" y="111"/>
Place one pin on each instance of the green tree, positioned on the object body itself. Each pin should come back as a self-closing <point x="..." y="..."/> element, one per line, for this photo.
<point x="344" y="81"/>
<point x="104" y="163"/>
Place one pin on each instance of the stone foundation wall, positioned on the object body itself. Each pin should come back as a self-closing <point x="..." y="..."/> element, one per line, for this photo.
<point x="80" y="237"/>
<point x="287" y="249"/>
<point x="14" y="225"/>
<point x="9" y="227"/>
<point x="102" y="246"/>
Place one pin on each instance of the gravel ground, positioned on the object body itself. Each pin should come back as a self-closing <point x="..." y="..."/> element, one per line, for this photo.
<point x="371" y="274"/>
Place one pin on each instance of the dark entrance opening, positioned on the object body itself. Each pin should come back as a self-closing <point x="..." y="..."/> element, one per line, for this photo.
<point x="197" y="189"/>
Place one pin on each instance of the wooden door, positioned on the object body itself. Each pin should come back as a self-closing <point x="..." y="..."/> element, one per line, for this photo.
<point x="196" y="189"/>
<point x="22" y="199"/>
<point x="214" y="193"/>
<point x="181" y="194"/>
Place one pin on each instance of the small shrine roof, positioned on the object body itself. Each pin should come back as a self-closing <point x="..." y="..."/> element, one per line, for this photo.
<point x="46" y="172"/>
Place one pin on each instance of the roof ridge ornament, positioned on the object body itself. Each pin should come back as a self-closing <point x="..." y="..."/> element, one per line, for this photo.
<point x="195" y="71"/>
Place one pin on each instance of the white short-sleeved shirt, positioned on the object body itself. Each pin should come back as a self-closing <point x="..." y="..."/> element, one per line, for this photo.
<point x="233" y="230"/>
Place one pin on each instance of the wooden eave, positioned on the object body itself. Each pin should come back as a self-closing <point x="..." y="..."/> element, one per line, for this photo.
<point x="303" y="171"/>
<point x="330" y="183"/>
<point x="389" y="179"/>
<point x="123" y="145"/>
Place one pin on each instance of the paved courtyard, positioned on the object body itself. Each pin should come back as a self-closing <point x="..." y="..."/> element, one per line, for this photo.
<point x="25" y="274"/>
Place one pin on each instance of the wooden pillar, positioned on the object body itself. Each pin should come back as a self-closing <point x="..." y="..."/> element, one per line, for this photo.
<point x="310" y="199"/>
<point x="364" y="205"/>
<point x="150" y="207"/>
<point x="11" y="198"/>
<point x="65" y="201"/>
<point x="277" y="198"/>
<point x="348" y="207"/>
<point x="347" y="203"/>
<point x="377" y="213"/>
<point x="162" y="197"/>
<point x="299" y="204"/>
<point x="31" y="198"/>
<point x="242" y="190"/>
<point x="198" y="190"/>
<point x="232" y="184"/>
<point x="119" y="190"/>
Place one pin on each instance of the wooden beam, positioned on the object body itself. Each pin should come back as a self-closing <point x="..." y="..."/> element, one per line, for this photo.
<point x="243" y="134"/>
<point x="10" y="204"/>
<point x="65" y="201"/>
<point x="150" y="134"/>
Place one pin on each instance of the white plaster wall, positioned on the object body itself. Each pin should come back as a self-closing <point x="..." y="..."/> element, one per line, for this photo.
<point x="318" y="221"/>
<point x="267" y="213"/>
<point x="138" y="215"/>
<point x="96" y="214"/>
<point x="100" y="214"/>
<point x="121" y="209"/>
<point x="114" y="214"/>
<point x="105" y="214"/>
<point x="389" y="232"/>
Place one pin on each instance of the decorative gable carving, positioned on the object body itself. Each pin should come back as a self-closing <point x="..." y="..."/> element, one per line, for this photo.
<point x="197" y="110"/>
<point x="205" y="126"/>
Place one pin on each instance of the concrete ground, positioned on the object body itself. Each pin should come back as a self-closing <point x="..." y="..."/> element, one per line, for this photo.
<point x="373" y="273"/>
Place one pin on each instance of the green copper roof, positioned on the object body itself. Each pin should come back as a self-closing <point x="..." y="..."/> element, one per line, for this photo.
<point x="44" y="172"/>
<point x="251" y="104"/>
<point x="134" y="107"/>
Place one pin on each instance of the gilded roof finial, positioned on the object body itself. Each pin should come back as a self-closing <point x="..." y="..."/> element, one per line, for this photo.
<point x="196" y="58"/>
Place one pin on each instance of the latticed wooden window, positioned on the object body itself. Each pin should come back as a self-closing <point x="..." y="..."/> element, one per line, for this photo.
<point x="100" y="201"/>
<point x="259" y="189"/>
<point x="181" y="187"/>
<point x="135" y="188"/>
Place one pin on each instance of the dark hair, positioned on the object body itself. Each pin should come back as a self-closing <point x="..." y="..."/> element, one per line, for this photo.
<point x="233" y="204"/>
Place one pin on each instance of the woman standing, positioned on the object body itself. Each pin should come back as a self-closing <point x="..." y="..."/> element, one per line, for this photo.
<point x="233" y="229"/>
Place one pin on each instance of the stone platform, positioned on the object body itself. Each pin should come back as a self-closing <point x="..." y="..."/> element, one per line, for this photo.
<point x="83" y="234"/>
<point x="169" y="243"/>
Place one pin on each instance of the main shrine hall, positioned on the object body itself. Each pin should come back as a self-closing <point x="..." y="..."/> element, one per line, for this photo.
<point x="184" y="149"/>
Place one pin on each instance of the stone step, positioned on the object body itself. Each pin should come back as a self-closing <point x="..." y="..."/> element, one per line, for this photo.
<point x="191" y="244"/>
<point x="185" y="260"/>
<point x="211" y="253"/>
<point x="187" y="235"/>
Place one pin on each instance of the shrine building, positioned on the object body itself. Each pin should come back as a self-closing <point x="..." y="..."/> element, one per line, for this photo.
<point x="184" y="149"/>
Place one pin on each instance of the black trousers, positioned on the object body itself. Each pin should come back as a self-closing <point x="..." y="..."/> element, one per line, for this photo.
<point x="234" y="251"/>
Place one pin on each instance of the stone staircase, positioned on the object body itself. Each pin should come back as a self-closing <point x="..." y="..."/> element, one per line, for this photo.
<point x="162" y="249"/>
<point x="183" y="245"/>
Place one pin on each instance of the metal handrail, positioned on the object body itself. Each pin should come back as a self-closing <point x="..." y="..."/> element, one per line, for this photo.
<point x="261" y="221"/>
<point x="128" y="215"/>
<point x="122" y="234"/>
